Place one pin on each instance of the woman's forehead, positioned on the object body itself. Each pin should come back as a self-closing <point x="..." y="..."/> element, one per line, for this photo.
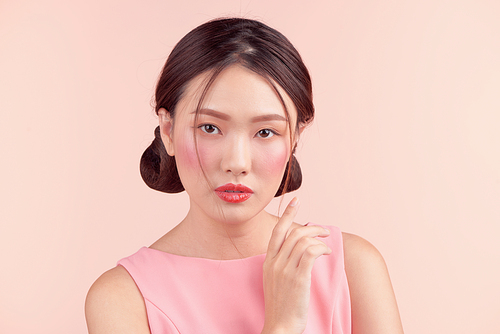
<point x="237" y="89"/>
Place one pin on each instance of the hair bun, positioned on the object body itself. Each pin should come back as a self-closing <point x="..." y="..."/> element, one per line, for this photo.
<point x="294" y="180"/>
<point x="158" y="169"/>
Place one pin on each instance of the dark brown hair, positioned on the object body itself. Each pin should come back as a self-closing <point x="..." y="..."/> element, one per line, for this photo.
<point x="212" y="47"/>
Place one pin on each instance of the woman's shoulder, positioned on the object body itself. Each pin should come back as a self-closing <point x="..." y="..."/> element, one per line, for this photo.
<point x="358" y="248"/>
<point x="374" y="306"/>
<point x="361" y="258"/>
<point x="114" y="304"/>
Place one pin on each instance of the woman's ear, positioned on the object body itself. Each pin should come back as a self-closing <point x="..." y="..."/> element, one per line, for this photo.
<point x="297" y="137"/>
<point x="299" y="132"/>
<point x="166" y="130"/>
<point x="302" y="127"/>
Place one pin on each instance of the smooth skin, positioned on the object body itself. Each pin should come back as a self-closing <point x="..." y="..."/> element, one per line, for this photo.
<point x="232" y="146"/>
<point x="115" y="305"/>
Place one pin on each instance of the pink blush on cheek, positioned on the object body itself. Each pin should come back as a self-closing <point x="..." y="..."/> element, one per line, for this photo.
<point x="274" y="161"/>
<point x="186" y="155"/>
<point x="190" y="157"/>
<point x="208" y="156"/>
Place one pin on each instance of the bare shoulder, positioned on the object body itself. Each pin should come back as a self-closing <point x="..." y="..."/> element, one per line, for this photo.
<point x="358" y="252"/>
<point x="374" y="306"/>
<point x="114" y="304"/>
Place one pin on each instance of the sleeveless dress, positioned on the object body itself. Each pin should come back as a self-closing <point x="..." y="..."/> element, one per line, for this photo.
<point x="203" y="296"/>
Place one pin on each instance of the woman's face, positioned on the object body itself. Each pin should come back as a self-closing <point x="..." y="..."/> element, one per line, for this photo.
<point x="232" y="160"/>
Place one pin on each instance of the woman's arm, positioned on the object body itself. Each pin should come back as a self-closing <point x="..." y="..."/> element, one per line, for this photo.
<point x="115" y="305"/>
<point x="374" y="307"/>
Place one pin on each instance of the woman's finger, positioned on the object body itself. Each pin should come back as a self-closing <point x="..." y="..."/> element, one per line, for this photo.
<point x="309" y="256"/>
<point x="299" y="233"/>
<point x="280" y="230"/>
<point x="302" y="251"/>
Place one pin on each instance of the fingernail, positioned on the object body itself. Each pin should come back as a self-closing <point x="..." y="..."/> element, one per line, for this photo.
<point x="327" y="230"/>
<point x="294" y="201"/>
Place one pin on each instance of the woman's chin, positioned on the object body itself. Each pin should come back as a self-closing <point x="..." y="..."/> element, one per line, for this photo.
<point x="237" y="216"/>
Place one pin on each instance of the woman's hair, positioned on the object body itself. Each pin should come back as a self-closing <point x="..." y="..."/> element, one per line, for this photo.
<point x="211" y="48"/>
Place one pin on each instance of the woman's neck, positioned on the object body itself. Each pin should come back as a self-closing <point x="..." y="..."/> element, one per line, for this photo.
<point x="200" y="236"/>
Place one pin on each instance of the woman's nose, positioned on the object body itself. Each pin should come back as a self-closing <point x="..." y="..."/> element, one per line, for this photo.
<point x="236" y="158"/>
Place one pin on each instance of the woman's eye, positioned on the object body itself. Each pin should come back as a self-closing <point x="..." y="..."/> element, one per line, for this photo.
<point x="265" y="133"/>
<point x="209" y="128"/>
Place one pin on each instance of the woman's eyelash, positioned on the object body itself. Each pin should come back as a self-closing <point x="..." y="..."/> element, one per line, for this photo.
<point x="267" y="133"/>
<point x="213" y="129"/>
<point x="209" y="128"/>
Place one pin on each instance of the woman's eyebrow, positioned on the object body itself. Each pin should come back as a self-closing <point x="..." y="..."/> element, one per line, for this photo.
<point x="213" y="113"/>
<point x="256" y="119"/>
<point x="270" y="117"/>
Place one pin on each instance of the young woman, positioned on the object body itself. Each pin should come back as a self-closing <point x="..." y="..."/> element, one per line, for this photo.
<point x="232" y="100"/>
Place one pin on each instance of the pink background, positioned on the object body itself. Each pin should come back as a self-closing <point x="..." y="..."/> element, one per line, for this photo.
<point x="405" y="149"/>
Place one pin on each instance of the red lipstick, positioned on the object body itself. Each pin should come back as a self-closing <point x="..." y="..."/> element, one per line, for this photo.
<point x="233" y="193"/>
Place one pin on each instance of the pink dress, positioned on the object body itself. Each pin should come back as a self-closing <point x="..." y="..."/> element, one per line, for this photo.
<point x="195" y="295"/>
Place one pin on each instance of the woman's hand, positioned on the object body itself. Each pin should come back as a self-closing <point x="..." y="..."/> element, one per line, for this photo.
<point x="287" y="272"/>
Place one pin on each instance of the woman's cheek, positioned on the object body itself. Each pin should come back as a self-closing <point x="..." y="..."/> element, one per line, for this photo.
<point x="191" y="156"/>
<point x="186" y="157"/>
<point x="208" y="155"/>
<point x="273" y="159"/>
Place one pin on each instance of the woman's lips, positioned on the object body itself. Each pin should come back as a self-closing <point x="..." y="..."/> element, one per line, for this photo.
<point x="233" y="193"/>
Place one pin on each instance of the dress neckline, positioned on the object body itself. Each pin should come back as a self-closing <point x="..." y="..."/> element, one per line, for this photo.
<point x="194" y="258"/>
